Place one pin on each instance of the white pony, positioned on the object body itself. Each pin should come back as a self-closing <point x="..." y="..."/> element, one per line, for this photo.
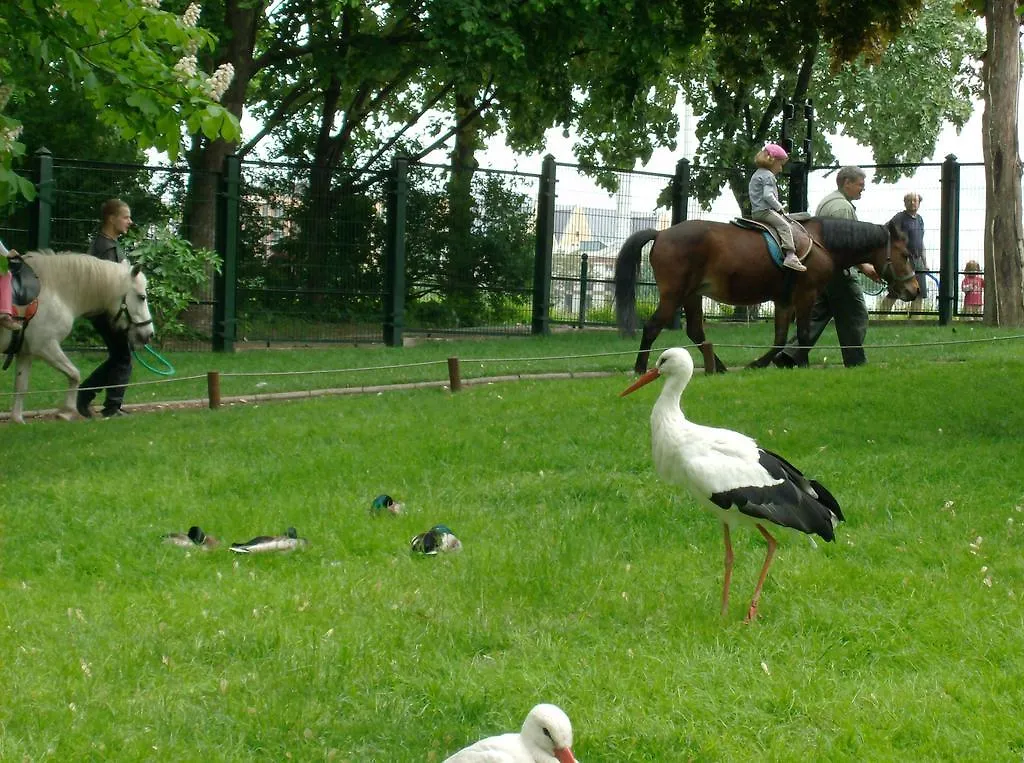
<point x="71" y="285"/>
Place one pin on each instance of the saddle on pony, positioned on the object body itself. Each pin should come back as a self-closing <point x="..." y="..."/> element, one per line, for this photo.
<point x="25" y="293"/>
<point x="801" y="238"/>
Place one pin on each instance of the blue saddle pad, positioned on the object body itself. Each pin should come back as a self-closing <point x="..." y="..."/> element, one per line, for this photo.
<point x="774" y="250"/>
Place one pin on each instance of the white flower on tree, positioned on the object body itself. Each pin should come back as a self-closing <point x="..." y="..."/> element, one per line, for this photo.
<point x="186" y="67"/>
<point x="191" y="15"/>
<point x="219" y="81"/>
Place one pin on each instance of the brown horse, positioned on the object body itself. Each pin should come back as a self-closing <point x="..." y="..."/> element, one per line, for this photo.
<point x="729" y="264"/>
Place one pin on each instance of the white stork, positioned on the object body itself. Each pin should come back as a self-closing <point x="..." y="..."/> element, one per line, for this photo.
<point x="546" y="738"/>
<point x="729" y="474"/>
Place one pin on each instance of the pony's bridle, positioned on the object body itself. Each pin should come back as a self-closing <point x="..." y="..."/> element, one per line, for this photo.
<point x="888" y="274"/>
<point x="123" y="310"/>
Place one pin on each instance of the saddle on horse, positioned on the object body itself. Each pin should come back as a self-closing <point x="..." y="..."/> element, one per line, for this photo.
<point x="801" y="238"/>
<point x="25" y="293"/>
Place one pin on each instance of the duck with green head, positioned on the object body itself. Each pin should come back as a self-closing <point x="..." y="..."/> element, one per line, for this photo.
<point x="438" y="539"/>
<point x="195" y="537"/>
<point x="264" y="543"/>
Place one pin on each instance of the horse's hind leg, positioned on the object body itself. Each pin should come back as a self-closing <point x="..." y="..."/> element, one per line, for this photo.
<point x="694" y="309"/>
<point x="22" y="370"/>
<point x="54" y="355"/>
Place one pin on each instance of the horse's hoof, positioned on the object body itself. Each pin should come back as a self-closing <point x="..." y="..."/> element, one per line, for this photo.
<point x="66" y="416"/>
<point x="18" y="419"/>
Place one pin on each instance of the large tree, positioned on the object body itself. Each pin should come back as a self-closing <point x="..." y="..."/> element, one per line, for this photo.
<point x="1004" y="233"/>
<point x="893" y="96"/>
<point x="136" y="65"/>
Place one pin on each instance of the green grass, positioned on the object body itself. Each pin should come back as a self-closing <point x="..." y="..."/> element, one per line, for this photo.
<point x="584" y="580"/>
<point x="253" y="372"/>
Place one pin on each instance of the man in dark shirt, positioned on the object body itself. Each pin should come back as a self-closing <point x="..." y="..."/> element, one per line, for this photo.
<point x="114" y="372"/>
<point x="910" y="222"/>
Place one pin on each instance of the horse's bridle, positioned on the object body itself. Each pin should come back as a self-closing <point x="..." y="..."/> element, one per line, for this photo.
<point x="887" y="268"/>
<point x="128" y="316"/>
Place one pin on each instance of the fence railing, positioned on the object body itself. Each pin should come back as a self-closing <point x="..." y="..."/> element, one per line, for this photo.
<point x="373" y="259"/>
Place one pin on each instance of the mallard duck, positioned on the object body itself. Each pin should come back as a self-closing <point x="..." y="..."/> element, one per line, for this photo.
<point x="194" y="537"/>
<point x="546" y="736"/>
<point x="438" y="539"/>
<point x="385" y="503"/>
<point x="263" y="543"/>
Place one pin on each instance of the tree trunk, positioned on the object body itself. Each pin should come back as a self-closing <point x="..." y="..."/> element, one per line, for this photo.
<point x="462" y="264"/>
<point x="1004" y="237"/>
<point x="206" y="158"/>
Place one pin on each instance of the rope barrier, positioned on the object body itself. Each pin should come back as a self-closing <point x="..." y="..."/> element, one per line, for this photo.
<point x="332" y="370"/>
<point x="420" y="364"/>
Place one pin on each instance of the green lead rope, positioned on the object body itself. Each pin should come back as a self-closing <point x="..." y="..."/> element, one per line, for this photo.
<point x="165" y="369"/>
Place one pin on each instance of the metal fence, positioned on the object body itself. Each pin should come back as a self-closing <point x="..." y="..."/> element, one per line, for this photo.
<point x="337" y="256"/>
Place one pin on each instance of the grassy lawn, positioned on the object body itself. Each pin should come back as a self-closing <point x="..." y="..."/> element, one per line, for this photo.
<point x="584" y="580"/>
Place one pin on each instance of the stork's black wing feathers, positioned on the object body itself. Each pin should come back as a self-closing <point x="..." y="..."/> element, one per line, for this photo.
<point x="795" y="502"/>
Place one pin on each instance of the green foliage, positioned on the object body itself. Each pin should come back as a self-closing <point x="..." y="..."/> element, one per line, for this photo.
<point x="134" y="63"/>
<point x="467" y="277"/>
<point x="893" y="98"/>
<point x="175" y="270"/>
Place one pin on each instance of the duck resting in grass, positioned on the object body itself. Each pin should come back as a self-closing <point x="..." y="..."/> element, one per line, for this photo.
<point x="546" y="737"/>
<point x="264" y="543"/>
<point x="195" y="537"/>
<point x="384" y="503"/>
<point x="438" y="539"/>
<point x="730" y="475"/>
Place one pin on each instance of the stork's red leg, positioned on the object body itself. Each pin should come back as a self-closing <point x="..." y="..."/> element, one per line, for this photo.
<point x="728" y="570"/>
<point x="772" y="545"/>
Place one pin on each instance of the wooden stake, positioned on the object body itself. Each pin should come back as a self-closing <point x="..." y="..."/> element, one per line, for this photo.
<point x="213" y="388"/>
<point x="454" y="380"/>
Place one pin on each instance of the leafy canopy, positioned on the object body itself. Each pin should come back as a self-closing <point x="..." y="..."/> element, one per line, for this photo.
<point x="135" y="63"/>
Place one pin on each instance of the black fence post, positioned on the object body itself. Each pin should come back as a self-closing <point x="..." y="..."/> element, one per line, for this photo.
<point x="542" y="253"/>
<point x="584" y="269"/>
<point x="41" y="210"/>
<point x="394" y="259"/>
<point x="680" y="191"/>
<point x="949" y="239"/>
<point x="225" y="315"/>
<point x="785" y="136"/>
<point x="680" y="212"/>
<point x="809" y="139"/>
<point x="798" y="187"/>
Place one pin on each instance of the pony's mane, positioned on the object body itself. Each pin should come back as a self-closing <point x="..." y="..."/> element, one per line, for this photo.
<point x="851" y="236"/>
<point x="80" y="273"/>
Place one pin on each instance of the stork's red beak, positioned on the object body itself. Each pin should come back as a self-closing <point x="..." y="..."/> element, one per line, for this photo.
<point x="647" y="378"/>
<point x="564" y="755"/>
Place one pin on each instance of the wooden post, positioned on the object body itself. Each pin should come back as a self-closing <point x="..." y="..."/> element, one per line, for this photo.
<point x="708" y="350"/>
<point x="213" y="388"/>
<point x="454" y="380"/>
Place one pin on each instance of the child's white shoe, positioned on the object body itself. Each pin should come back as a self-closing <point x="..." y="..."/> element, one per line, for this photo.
<point x="793" y="263"/>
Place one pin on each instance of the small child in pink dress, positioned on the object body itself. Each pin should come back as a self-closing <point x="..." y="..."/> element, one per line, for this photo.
<point x="973" y="287"/>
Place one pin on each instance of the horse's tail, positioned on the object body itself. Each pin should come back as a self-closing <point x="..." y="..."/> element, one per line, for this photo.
<point x="627" y="273"/>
